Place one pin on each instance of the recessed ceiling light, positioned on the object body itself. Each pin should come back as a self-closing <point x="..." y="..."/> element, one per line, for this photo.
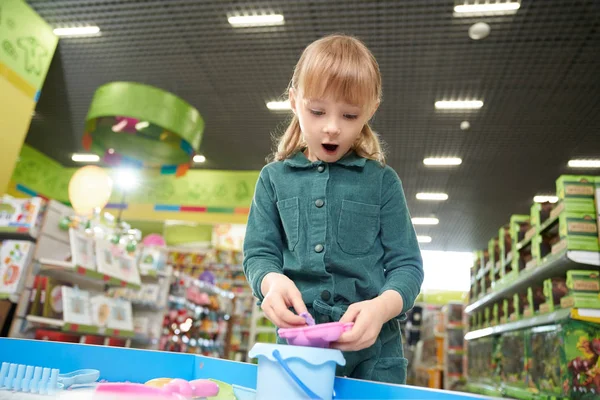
<point x="90" y="158"/>
<point x="442" y="161"/>
<point x="479" y="31"/>
<point x="465" y="125"/>
<point x="424" y="239"/>
<point x="459" y="104"/>
<point x="279" y="105"/>
<point x="487" y="8"/>
<point x="243" y="21"/>
<point x="589" y="163"/>
<point x="545" y="199"/>
<point x="199" y="158"/>
<point x="432" y="196"/>
<point x="77" y="31"/>
<point x="425" y="221"/>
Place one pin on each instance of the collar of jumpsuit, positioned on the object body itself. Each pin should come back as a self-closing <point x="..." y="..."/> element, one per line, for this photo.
<point x="351" y="159"/>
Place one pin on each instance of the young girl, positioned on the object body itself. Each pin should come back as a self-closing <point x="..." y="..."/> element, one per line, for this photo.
<point x="329" y="231"/>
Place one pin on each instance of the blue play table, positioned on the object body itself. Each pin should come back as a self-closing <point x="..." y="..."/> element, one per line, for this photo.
<point x="121" y="364"/>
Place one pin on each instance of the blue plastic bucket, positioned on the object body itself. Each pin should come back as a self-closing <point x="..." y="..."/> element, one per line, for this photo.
<point x="243" y="393"/>
<point x="295" y="372"/>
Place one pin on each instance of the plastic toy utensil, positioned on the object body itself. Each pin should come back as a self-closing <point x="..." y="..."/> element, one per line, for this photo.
<point x="315" y="336"/>
<point x="308" y="318"/>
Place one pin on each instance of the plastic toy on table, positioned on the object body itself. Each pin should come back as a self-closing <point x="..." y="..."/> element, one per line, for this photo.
<point x="31" y="379"/>
<point x="321" y="335"/>
<point x="174" y="389"/>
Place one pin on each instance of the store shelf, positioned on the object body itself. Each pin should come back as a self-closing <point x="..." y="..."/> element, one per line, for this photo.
<point x="554" y="266"/>
<point x="13" y="298"/>
<point x="66" y="272"/>
<point x="548" y="223"/>
<point x="17" y="233"/>
<point x="143" y="340"/>
<point x="79" y="329"/>
<point x="545" y="319"/>
<point x="524" y="243"/>
<point x="152" y="276"/>
<point x="146" y="306"/>
<point x="483" y="389"/>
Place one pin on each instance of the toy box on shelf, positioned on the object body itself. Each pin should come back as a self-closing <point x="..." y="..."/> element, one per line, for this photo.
<point x="15" y="258"/>
<point x="21" y="218"/>
<point x="564" y="358"/>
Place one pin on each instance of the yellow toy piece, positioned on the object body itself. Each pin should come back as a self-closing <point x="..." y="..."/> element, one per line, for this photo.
<point x="158" y="382"/>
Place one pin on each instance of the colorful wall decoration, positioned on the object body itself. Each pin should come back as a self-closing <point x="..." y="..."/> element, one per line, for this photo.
<point x="27" y="45"/>
<point x="205" y="196"/>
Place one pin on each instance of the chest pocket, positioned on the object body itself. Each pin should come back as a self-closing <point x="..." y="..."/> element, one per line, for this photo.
<point x="289" y="214"/>
<point x="358" y="227"/>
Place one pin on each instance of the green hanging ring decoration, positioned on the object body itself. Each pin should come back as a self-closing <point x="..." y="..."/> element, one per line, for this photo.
<point x="134" y="125"/>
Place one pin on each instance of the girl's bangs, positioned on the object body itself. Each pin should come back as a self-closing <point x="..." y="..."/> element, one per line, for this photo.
<point x="344" y="78"/>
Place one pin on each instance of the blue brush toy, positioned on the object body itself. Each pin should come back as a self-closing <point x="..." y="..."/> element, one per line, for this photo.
<point x="30" y="379"/>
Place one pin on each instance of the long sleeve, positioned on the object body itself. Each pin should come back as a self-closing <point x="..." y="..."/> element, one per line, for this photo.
<point x="263" y="241"/>
<point x="402" y="260"/>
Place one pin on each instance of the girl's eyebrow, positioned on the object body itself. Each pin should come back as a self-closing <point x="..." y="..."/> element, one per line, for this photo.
<point x="322" y="102"/>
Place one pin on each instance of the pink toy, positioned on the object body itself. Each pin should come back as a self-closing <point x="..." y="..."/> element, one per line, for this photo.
<point x="316" y="335"/>
<point x="154" y="239"/>
<point x="176" y="389"/>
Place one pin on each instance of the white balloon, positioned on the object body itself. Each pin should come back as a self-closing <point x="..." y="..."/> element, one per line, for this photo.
<point x="89" y="188"/>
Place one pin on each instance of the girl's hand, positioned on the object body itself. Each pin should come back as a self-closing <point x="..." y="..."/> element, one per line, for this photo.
<point x="368" y="317"/>
<point x="280" y="294"/>
<point x="368" y="320"/>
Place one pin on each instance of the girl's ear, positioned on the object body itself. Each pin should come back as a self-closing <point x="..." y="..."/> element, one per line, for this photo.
<point x="374" y="109"/>
<point x="292" y="97"/>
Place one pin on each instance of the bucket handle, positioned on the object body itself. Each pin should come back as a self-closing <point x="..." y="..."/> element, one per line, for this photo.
<point x="294" y="377"/>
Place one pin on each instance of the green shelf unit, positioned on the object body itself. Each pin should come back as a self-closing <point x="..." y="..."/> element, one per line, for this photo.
<point x="538" y="320"/>
<point x="68" y="327"/>
<point x="16" y="233"/>
<point x="65" y="272"/>
<point x="551" y="266"/>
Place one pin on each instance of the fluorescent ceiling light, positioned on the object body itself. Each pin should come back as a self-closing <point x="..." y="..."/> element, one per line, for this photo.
<point x="424" y="239"/>
<point x="432" y="196"/>
<point x="77" y="31"/>
<point x="91" y="158"/>
<point x="545" y="199"/>
<point x="487" y="8"/>
<point x="256" y="20"/>
<point x="425" y="221"/>
<point x="279" y="105"/>
<point x="439" y="161"/>
<point x="199" y="158"/>
<point x="585" y="163"/>
<point x="459" y="104"/>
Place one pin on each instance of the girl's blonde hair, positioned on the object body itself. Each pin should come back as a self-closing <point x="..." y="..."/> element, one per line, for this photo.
<point x="341" y="65"/>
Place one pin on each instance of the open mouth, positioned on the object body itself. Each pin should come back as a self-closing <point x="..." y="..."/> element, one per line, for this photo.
<point x="330" y="148"/>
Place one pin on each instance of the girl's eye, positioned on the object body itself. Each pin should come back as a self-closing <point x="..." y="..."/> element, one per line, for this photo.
<point x="317" y="112"/>
<point x="350" y="116"/>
